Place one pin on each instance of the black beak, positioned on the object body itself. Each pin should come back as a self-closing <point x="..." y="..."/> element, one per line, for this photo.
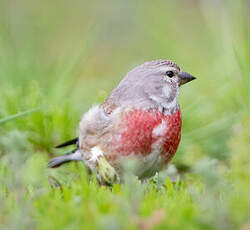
<point x="185" y="77"/>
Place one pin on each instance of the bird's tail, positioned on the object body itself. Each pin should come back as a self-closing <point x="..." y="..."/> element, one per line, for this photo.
<point x="75" y="155"/>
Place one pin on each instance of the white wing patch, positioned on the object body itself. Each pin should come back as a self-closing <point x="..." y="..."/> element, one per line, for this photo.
<point x="96" y="153"/>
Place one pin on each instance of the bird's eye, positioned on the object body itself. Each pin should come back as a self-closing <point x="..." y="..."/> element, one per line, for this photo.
<point x="170" y="73"/>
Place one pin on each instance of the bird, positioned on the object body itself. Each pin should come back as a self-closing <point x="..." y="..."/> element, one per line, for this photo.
<point x="140" y="119"/>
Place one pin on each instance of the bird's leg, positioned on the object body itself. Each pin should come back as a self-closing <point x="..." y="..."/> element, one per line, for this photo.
<point x="106" y="172"/>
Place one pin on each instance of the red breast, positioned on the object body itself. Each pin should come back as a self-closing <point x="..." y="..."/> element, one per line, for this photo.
<point x="142" y="130"/>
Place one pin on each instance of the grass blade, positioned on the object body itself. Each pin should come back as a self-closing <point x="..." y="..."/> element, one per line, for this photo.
<point x="19" y="115"/>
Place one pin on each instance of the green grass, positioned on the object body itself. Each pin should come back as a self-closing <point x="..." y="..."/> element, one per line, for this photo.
<point x="58" y="58"/>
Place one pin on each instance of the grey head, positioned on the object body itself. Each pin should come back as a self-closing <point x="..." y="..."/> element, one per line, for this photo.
<point x="153" y="84"/>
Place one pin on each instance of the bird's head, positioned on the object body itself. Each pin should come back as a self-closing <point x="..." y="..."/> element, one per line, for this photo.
<point x="156" y="81"/>
<point x="167" y="72"/>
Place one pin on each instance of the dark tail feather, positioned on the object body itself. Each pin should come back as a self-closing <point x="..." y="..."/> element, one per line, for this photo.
<point x="67" y="143"/>
<point x="58" y="161"/>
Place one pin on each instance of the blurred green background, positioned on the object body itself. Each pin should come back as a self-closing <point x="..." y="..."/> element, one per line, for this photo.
<point x="61" y="57"/>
